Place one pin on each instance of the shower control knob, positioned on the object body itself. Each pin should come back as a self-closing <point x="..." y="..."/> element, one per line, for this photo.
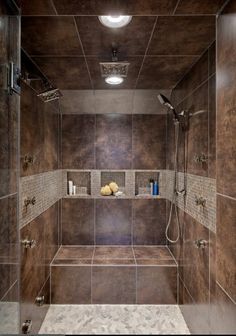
<point x="200" y="243"/>
<point x="39" y="301"/>
<point x="27" y="243"/>
<point x="29" y="201"/>
<point x="200" y="201"/>
<point x="26" y="327"/>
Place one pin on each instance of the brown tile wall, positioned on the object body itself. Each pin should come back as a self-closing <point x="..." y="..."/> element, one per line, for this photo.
<point x="113" y="141"/>
<point x="223" y="307"/>
<point x="40" y="139"/>
<point x="113" y="221"/>
<point x="35" y="273"/>
<point x="207" y="277"/>
<point x="9" y="174"/>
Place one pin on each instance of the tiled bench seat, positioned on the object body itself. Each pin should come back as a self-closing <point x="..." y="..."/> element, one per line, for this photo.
<point x="113" y="275"/>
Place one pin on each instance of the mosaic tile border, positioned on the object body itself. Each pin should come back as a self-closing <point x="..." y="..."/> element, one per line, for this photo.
<point x="47" y="190"/>
<point x="51" y="186"/>
<point x="196" y="186"/>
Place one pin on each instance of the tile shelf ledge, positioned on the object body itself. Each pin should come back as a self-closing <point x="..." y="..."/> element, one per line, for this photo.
<point x="114" y="197"/>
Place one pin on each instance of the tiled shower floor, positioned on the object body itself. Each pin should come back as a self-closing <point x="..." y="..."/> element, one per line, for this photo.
<point x="114" y="319"/>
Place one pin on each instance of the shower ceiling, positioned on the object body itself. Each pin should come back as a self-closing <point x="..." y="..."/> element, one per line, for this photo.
<point x="164" y="38"/>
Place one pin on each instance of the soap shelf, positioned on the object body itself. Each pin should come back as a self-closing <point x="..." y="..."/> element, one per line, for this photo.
<point x="114" y="197"/>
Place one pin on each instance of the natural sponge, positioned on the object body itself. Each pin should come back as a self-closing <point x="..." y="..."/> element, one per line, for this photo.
<point x="106" y="191"/>
<point x="114" y="187"/>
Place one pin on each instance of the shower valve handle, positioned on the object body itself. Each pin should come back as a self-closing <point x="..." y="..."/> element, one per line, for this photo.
<point x="200" y="201"/>
<point x="200" y="243"/>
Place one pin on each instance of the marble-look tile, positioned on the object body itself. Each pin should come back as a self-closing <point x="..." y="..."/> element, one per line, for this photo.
<point x="114" y="319"/>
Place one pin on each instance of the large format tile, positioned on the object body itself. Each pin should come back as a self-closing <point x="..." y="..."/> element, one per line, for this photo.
<point x="186" y="35"/>
<point x="66" y="73"/>
<point x="71" y="284"/>
<point x="78" y="132"/>
<point x="62" y="39"/>
<point x="156" y="285"/>
<point x="113" y="285"/>
<point x="226" y="101"/>
<point x="196" y="261"/>
<point x="114" y="7"/>
<point x="8" y="243"/>
<point x="75" y="252"/>
<point x="225" y="240"/>
<point x="197" y="134"/>
<point x="77" y="221"/>
<point x="149" y="222"/>
<point x="149" y="141"/>
<point x="113" y="141"/>
<point x="113" y="222"/>
<point x="163" y="72"/>
<point x="223" y="312"/>
<point x="35" y="7"/>
<point x="199" y="7"/>
<point x="113" y="252"/>
<point x="196" y="317"/>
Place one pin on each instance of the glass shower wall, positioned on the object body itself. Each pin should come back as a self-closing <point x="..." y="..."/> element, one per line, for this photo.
<point x="9" y="153"/>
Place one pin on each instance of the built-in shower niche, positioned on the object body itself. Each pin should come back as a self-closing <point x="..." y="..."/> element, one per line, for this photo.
<point x="142" y="182"/>
<point x="114" y="176"/>
<point x="82" y="181"/>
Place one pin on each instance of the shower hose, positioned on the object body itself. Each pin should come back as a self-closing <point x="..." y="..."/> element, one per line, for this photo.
<point x="174" y="194"/>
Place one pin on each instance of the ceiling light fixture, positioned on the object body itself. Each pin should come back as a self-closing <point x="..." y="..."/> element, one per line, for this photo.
<point x="115" y="21"/>
<point x="114" y="80"/>
<point x="115" y="71"/>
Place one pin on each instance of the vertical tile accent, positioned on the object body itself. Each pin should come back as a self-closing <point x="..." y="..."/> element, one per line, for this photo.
<point x="196" y="186"/>
<point x="47" y="190"/>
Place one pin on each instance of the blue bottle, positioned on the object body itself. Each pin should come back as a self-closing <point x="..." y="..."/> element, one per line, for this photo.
<point x="155" y="189"/>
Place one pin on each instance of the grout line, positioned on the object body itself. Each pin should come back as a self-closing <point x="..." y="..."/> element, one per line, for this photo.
<point x="8" y="196"/>
<point x="54" y="7"/>
<point x="136" y="15"/>
<point x="167" y="246"/>
<point x="91" y="276"/>
<point x="223" y="195"/>
<point x="82" y="47"/>
<point x="9" y="289"/>
<point x="222" y="288"/>
<point x="149" y="42"/>
<point x="190" y="69"/>
<point x="176" y="6"/>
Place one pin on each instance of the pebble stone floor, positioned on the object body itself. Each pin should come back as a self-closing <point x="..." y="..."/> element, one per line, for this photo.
<point x="114" y="319"/>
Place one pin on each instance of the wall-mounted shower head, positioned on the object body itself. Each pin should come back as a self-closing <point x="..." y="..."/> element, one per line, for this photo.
<point x="49" y="95"/>
<point x="165" y="101"/>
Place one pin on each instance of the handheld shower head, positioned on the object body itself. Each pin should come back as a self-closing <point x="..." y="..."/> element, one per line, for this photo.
<point x="165" y="101"/>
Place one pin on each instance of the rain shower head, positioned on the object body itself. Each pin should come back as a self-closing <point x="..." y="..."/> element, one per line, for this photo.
<point x="165" y="101"/>
<point x="49" y="95"/>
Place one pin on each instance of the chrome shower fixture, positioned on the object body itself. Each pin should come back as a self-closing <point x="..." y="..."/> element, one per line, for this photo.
<point x="115" y="71"/>
<point x="49" y="95"/>
<point x="165" y="101"/>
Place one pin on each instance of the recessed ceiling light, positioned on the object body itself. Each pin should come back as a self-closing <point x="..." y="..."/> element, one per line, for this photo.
<point x="114" y="80"/>
<point x="115" y="21"/>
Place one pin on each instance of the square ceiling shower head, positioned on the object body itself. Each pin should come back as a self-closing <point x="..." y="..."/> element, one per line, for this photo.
<point x="114" y="68"/>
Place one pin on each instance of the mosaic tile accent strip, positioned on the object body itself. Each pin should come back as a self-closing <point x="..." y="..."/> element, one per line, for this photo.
<point x="47" y="190"/>
<point x="114" y="320"/>
<point x="196" y="186"/>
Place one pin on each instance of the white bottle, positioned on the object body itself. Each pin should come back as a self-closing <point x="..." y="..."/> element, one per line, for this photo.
<point x="70" y="187"/>
<point x="74" y="189"/>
